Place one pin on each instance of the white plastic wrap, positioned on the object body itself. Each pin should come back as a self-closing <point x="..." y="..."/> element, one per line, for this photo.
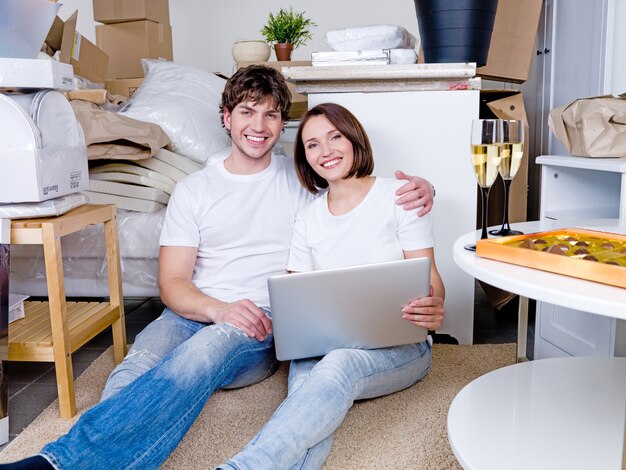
<point x="50" y="208"/>
<point x="380" y="36"/>
<point x="374" y="57"/>
<point x="84" y="261"/>
<point x="184" y="101"/>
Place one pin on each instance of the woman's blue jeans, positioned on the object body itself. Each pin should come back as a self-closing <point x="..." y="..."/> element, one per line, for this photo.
<point x="150" y="405"/>
<point x="299" y="434"/>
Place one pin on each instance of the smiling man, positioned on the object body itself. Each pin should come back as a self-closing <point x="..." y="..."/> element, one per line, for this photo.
<point x="228" y="228"/>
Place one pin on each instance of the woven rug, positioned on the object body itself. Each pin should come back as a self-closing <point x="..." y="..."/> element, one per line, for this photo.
<point x="406" y="430"/>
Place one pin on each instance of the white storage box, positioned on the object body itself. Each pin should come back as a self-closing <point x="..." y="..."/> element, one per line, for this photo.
<point x="36" y="73"/>
<point x="42" y="153"/>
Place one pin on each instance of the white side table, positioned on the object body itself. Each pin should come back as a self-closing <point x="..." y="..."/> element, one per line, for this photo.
<point x="577" y="190"/>
<point x="543" y="286"/>
<point x="563" y="413"/>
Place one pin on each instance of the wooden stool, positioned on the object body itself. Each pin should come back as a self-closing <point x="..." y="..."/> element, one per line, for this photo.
<point x="51" y="331"/>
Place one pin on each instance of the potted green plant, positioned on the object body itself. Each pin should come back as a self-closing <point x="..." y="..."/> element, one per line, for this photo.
<point x="287" y="30"/>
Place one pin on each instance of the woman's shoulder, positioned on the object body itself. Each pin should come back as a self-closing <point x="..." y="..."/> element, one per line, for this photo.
<point x="388" y="185"/>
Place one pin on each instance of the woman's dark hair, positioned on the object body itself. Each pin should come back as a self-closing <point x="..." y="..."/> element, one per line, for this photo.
<point x="256" y="83"/>
<point x="351" y="128"/>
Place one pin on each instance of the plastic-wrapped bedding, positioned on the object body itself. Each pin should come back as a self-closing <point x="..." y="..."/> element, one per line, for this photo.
<point x="84" y="262"/>
<point x="363" y="38"/>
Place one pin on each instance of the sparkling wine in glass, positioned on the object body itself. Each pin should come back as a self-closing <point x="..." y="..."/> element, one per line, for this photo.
<point x="485" y="155"/>
<point x="511" y="152"/>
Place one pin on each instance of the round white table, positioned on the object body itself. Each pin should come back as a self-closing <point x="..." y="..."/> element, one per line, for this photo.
<point x="563" y="413"/>
<point x="571" y="292"/>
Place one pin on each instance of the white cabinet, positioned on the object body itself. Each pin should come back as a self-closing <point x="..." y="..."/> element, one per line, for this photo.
<point x="426" y="133"/>
<point x="579" y="191"/>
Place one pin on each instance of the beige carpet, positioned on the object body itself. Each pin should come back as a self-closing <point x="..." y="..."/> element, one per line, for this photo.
<point x="406" y="430"/>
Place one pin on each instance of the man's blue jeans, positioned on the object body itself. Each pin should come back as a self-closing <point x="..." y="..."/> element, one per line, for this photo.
<point x="140" y="424"/>
<point x="299" y="434"/>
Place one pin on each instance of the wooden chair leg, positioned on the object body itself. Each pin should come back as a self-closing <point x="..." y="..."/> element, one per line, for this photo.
<point x="58" y="320"/>
<point x="115" y="287"/>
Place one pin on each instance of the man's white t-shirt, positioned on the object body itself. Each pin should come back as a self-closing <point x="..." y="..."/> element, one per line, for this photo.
<point x="241" y="225"/>
<point x="376" y="230"/>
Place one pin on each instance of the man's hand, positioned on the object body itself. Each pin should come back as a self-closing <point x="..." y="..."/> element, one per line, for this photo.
<point x="418" y="192"/>
<point x="427" y="312"/>
<point x="246" y="316"/>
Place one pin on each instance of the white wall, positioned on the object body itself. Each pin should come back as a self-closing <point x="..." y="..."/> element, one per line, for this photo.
<point x="205" y="30"/>
<point x="615" y="79"/>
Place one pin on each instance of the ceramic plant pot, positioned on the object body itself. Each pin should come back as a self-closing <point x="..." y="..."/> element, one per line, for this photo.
<point x="283" y="51"/>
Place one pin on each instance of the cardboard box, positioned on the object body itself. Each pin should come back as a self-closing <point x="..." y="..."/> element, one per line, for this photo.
<point x="118" y="11"/>
<point x="513" y="41"/>
<point x="35" y="73"/>
<point x="128" y="43"/>
<point x="88" y="60"/>
<point x="123" y="87"/>
<point x="299" y="103"/>
<point x="31" y="175"/>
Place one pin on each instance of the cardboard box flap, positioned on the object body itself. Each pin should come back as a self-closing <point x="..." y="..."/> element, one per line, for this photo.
<point x="88" y="60"/>
<point x="67" y="41"/>
<point x="55" y="35"/>
<point x="512" y="45"/>
<point x="510" y="106"/>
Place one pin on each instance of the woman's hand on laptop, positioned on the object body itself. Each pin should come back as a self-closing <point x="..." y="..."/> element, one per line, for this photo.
<point x="427" y="312"/>
<point x="245" y="315"/>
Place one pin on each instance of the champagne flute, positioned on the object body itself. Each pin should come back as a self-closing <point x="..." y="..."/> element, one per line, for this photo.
<point x="485" y="144"/>
<point x="511" y="152"/>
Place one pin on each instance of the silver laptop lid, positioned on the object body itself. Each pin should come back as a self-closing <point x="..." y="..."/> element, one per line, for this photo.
<point x="353" y="307"/>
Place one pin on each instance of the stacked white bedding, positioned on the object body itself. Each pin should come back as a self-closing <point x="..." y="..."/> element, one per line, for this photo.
<point x="139" y="185"/>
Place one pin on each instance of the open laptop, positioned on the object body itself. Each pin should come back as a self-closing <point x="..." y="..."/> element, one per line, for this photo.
<point x="353" y="307"/>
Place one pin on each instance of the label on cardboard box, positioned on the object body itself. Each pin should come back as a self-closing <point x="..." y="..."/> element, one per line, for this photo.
<point x="124" y="86"/>
<point x="76" y="46"/>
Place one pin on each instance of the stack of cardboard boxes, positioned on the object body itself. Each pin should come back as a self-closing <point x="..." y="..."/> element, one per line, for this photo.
<point x="132" y="30"/>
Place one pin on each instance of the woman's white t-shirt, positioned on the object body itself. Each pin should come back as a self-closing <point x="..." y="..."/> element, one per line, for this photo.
<point x="241" y="225"/>
<point x="376" y="230"/>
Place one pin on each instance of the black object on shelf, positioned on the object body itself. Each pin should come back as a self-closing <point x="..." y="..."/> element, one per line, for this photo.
<point x="456" y="30"/>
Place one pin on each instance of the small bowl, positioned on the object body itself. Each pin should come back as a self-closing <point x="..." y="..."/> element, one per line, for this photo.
<point x="251" y="50"/>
